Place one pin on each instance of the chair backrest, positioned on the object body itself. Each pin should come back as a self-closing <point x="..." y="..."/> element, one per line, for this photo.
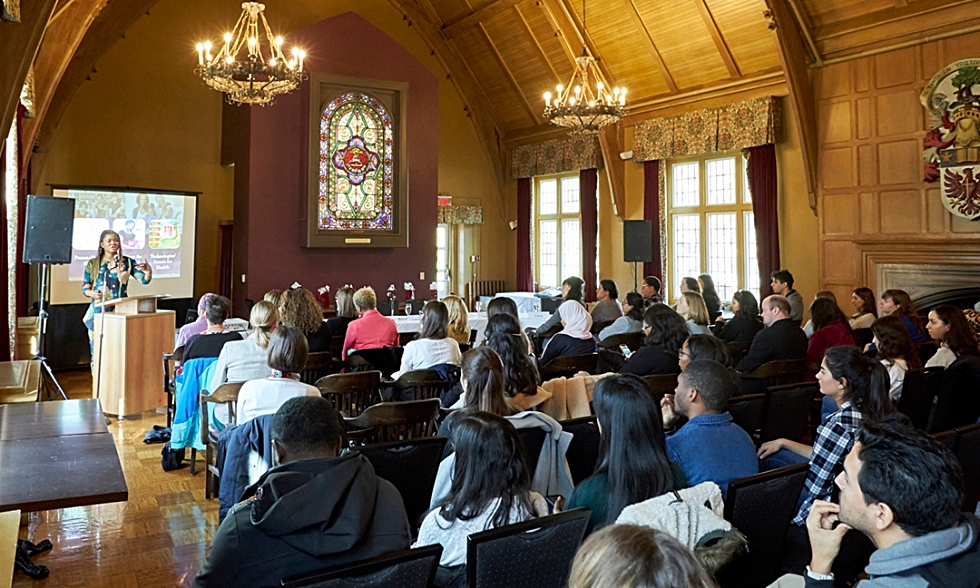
<point x="862" y="337"/>
<point x="382" y="359"/>
<point x="660" y="384"/>
<point x="968" y="452"/>
<point x="537" y="552"/>
<point x="568" y="366"/>
<point x="411" y="467"/>
<point x="919" y="392"/>
<point x="178" y="354"/>
<point x="600" y="325"/>
<point x="583" y="451"/>
<point x="406" y="338"/>
<point x="632" y="340"/>
<point x="762" y="507"/>
<point x="398" y="421"/>
<point x="408" y="568"/>
<point x="958" y="403"/>
<point x="786" y="412"/>
<point x="351" y="393"/>
<point x="947" y="438"/>
<point x="737" y="350"/>
<point x="926" y="351"/>
<point x="420" y="385"/>
<point x="533" y="439"/>
<point x="747" y="411"/>
<point x="318" y="364"/>
<point x="226" y="393"/>
<point x="780" y="372"/>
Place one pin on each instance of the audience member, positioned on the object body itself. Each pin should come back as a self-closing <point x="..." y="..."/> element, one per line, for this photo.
<point x="689" y="284"/>
<point x="241" y="361"/>
<point x="459" y="326"/>
<point x="691" y="306"/>
<point x="865" y="309"/>
<point x="371" y="330"/>
<point x="830" y="330"/>
<point x="314" y="510"/>
<point x="899" y="303"/>
<point x="781" y="282"/>
<point x="808" y="327"/>
<point x="521" y="377"/>
<point x="650" y="290"/>
<point x="607" y="308"/>
<point x="703" y="347"/>
<point x="502" y="305"/>
<point x="343" y="303"/>
<point x="709" y="446"/>
<point x="781" y="339"/>
<point x="276" y="298"/>
<point x="484" y="388"/>
<point x="631" y="556"/>
<point x="287" y="355"/>
<point x="665" y="332"/>
<point x="432" y="346"/>
<point x="745" y="324"/>
<point x="491" y="487"/>
<point x="575" y="338"/>
<point x="300" y="309"/>
<point x="509" y="324"/>
<point x="633" y="464"/>
<point x="711" y="300"/>
<point x="896" y="352"/>
<point x="571" y="290"/>
<point x="949" y="329"/>
<point x="198" y="326"/>
<point x="210" y="342"/>
<point x="630" y="322"/>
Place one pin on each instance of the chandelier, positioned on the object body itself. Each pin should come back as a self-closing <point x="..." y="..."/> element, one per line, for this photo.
<point x="245" y="71"/>
<point x="581" y="107"/>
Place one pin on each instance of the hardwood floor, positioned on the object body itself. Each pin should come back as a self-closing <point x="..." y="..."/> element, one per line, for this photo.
<point x="158" y="538"/>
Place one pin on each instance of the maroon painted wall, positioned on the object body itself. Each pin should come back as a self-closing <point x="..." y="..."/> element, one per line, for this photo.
<point x="278" y="181"/>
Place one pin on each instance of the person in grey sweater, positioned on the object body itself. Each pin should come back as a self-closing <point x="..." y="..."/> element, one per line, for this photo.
<point x="607" y="308"/>
<point x="781" y="282"/>
<point x="630" y="322"/>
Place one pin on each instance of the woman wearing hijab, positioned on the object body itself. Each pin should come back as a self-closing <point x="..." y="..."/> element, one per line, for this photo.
<point x="575" y="338"/>
<point x="198" y="326"/>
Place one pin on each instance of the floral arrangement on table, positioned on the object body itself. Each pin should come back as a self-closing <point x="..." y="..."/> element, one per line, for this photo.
<point x="409" y="290"/>
<point x="323" y="296"/>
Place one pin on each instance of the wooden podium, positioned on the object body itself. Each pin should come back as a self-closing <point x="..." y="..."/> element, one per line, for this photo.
<point x="136" y="336"/>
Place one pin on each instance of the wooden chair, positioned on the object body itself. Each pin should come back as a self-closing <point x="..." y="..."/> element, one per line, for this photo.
<point x="747" y="412"/>
<point x="169" y="383"/>
<point x="318" y="364"/>
<point x="395" y="421"/>
<point x="737" y="350"/>
<point x="336" y="350"/>
<point x="779" y="373"/>
<point x="351" y="393"/>
<point x="419" y="385"/>
<point x="632" y="340"/>
<point x="226" y="394"/>
<point x="568" y="366"/>
<point x="660" y="384"/>
<point x="786" y="411"/>
<point x="599" y="326"/>
<point x="406" y="338"/>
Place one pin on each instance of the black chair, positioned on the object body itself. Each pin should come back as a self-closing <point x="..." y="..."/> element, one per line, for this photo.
<point x="862" y="337"/>
<point x="958" y="403"/>
<point x="968" y="452"/>
<point x="568" y="365"/>
<point x="318" y="364"/>
<point x="419" y="385"/>
<point x="384" y="359"/>
<point x="411" y="467"/>
<point x="660" y="384"/>
<point x="408" y="568"/>
<point x="351" y="393"/>
<point x="786" y="412"/>
<point x="747" y="411"/>
<point x="537" y="552"/>
<point x="762" y="507"/>
<point x="919" y="393"/>
<point x="583" y="451"/>
<point x="533" y="439"/>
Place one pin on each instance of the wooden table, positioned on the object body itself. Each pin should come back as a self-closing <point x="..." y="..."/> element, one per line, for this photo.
<point x="57" y="455"/>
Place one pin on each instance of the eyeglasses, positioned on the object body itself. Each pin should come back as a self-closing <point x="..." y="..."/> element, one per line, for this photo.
<point x="682" y="353"/>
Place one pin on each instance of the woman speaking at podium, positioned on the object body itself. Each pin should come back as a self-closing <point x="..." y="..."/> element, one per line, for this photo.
<point x="106" y="277"/>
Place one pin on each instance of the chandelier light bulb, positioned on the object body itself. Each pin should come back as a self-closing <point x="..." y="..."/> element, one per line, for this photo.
<point x="578" y="90"/>
<point x="227" y="37"/>
<point x="598" y="85"/>
<point x="207" y="45"/>
<point x="272" y="62"/>
<point x="571" y="101"/>
<point x="278" y="41"/>
<point x="547" y="99"/>
<point x="252" y="41"/>
<point x="591" y="103"/>
<point x="230" y="59"/>
<point x="560" y="88"/>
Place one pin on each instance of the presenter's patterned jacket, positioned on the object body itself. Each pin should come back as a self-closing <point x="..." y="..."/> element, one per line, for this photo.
<point x="115" y="282"/>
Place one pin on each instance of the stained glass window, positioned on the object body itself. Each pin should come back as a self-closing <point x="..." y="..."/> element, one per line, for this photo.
<point x="356" y="181"/>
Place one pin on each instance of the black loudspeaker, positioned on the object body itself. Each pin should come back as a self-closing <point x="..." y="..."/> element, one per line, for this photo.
<point x="636" y="241"/>
<point x="48" y="229"/>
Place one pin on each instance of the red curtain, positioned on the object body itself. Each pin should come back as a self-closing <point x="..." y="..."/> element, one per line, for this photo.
<point x="651" y="212"/>
<point x="525" y="276"/>
<point x="588" y="184"/>
<point x="227" y="247"/>
<point x="762" y="183"/>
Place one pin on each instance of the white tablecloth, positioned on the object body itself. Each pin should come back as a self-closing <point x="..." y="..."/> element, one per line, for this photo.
<point x="476" y="320"/>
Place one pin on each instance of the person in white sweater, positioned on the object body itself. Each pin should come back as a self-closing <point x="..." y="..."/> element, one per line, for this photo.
<point x="433" y="345"/>
<point x="948" y="328"/>
<point x="288" y="350"/>
<point x="241" y="361"/>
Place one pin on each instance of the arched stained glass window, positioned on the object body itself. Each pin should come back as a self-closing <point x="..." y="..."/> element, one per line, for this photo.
<point x="356" y="147"/>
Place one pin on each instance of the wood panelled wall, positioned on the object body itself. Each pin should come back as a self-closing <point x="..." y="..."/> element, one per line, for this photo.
<point x="873" y="206"/>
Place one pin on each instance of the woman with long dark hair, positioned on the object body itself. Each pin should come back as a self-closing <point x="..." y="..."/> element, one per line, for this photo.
<point x="745" y="324"/>
<point x="520" y="374"/>
<point x="830" y="329"/>
<point x="502" y="320"/>
<point x="484" y="387"/>
<point x="865" y="309"/>
<point x="630" y="322"/>
<point x="710" y="295"/>
<point x="632" y="465"/>
<point x="433" y="346"/>
<point x="899" y="303"/>
<point x="948" y="328"/>
<point x="895" y="351"/>
<point x="665" y="334"/>
<point x="703" y="347"/>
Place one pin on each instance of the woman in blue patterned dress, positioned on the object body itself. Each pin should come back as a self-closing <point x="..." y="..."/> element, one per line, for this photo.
<point x="107" y="275"/>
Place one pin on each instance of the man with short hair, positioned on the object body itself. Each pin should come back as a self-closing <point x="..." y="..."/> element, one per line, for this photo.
<point x="371" y="330"/>
<point x="313" y="510"/>
<point x="709" y="447"/>
<point x="607" y="308"/>
<point x="903" y="490"/>
<point x="650" y="290"/>
<point x="781" y="282"/>
<point x="209" y="343"/>
<point x="781" y="339"/>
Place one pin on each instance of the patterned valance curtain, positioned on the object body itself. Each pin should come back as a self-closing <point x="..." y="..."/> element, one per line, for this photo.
<point x="10" y="10"/>
<point x="461" y="215"/>
<point x="741" y="125"/>
<point x="553" y="157"/>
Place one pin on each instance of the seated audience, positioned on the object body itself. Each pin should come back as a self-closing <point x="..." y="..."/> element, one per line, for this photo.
<point x="631" y="556"/>
<point x="198" y="326"/>
<point x="745" y="324"/>
<point x="948" y="328"/>
<point x="607" y="308"/>
<point x="691" y="306"/>
<point x="571" y="290"/>
<point x="703" y="347"/>
<point x="781" y="282"/>
<point x="711" y="300"/>
<point x="314" y="510"/>
<point x="575" y="337"/>
<point x="895" y="352"/>
<point x="371" y="330"/>
<point x="830" y="330"/>
<point x="665" y="335"/>
<point x="650" y="290"/>
<point x="276" y="298"/>
<point x="781" y="339"/>
<point x="709" y="446"/>
<point x="633" y="462"/>
<point x="630" y="322"/>
<point x="865" y="309"/>
<point x="432" y="345"/>
<point x="286" y="357"/>
<point x="458" y="328"/>
<point x="903" y="490"/>
<point x="343" y="303"/>
<point x="808" y="327"/>
<point x="521" y="377"/>
<point x="689" y="284"/>
<point x="210" y="342"/>
<point x="504" y="305"/>
<point x="241" y="361"/>
<point x="899" y="303"/>
<point x="491" y="487"/>
<point x="484" y="388"/>
<point x="301" y="310"/>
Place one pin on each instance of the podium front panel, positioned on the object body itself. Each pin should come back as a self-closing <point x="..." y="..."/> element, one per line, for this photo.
<point x="131" y="359"/>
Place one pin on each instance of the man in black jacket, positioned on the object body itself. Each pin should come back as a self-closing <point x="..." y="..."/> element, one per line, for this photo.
<point x="313" y="511"/>
<point x="781" y="339"/>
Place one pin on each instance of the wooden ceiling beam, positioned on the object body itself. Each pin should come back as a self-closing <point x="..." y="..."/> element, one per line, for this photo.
<point x="453" y="29"/>
<point x="634" y="14"/>
<point x="537" y="46"/>
<point x="802" y="23"/>
<point x="535" y="117"/>
<point x="549" y="15"/>
<point x="431" y="12"/>
<point x="720" y="44"/>
<point x="584" y="39"/>
<point x="18" y="46"/>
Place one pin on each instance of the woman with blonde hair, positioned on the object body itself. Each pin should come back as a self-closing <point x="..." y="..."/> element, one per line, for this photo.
<point x="691" y="306"/>
<point x="458" y="328"/>
<point x="301" y="310"/>
<point x="275" y="297"/>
